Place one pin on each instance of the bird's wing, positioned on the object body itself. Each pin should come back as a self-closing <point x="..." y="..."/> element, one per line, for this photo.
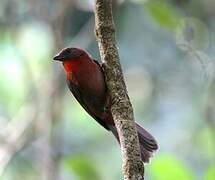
<point x="108" y="101"/>
<point x="78" y="95"/>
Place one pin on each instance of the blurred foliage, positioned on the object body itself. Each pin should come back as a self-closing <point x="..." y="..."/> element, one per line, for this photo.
<point x="210" y="174"/>
<point x="167" y="53"/>
<point x="164" y="14"/>
<point x="82" y="167"/>
<point x="205" y="142"/>
<point x="192" y="32"/>
<point x="169" y="168"/>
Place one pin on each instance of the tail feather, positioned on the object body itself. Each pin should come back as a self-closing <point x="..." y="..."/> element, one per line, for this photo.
<point x="146" y="138"/>
<point x="147" y="142"/>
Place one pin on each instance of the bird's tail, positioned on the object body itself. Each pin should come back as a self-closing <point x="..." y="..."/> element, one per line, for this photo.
<point x="147" y="142"/>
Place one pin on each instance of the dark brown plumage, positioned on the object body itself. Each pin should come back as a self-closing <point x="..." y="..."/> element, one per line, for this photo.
<point x="85" y="79"/>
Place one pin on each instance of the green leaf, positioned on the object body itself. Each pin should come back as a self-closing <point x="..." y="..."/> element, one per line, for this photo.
<point x="164" y="14"/>
<point x="83" y="167"/>
<point x="169" y="168"/>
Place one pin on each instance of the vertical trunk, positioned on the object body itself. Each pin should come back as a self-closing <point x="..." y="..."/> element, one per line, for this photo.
<point x="133" y="168"/>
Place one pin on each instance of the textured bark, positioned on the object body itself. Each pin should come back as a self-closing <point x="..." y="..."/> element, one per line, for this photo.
<point x="133" y="168"/>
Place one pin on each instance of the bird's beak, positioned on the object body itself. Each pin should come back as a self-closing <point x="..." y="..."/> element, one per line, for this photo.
<point x="59" y="57"/>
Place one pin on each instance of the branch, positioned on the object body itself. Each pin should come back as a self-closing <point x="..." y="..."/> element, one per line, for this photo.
<point x="121" y="108"/>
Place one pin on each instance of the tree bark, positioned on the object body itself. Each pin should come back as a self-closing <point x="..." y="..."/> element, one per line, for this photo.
<point x="122" y="111"/>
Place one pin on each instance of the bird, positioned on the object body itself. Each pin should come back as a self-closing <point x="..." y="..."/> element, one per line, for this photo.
<point x="86" y="80"/>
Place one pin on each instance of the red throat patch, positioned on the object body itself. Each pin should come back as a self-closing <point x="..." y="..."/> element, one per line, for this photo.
<point x="71" y="66"/>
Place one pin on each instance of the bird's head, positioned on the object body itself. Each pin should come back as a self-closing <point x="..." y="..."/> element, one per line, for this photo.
<point x="71" y="54"/>
<point x="73" y="59"/>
